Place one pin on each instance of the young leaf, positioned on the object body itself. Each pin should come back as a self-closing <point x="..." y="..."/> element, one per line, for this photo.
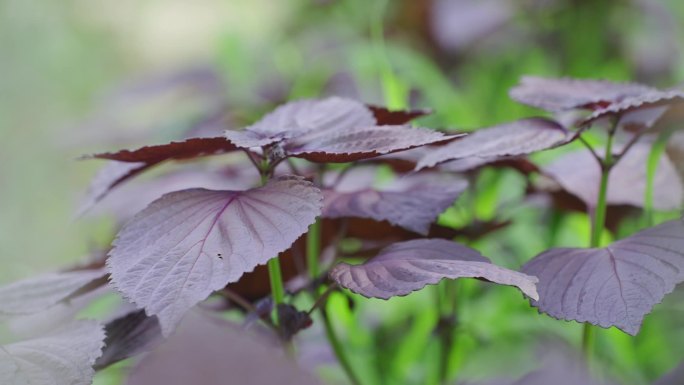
<point x="334" y="130"/>
<point x="520" y="137"/>
<point x="37" y="294"/>
<point x="412" y="202"/>
<point x="127" y="336"/>
<point x="580" y="174"/>
<point x="190" y="243"/>
<point x="210" y="351"/>
<point x="300" y="117"/>
<point x="361" y="142"/>
<point x="566" y="94"/>
<point x="409" y="266"/>
<point x="613" y="286"/>
<point x="63" y="358"/>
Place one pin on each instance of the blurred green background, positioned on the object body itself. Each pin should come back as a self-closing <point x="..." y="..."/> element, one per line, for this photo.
<point x="82" y="76"/>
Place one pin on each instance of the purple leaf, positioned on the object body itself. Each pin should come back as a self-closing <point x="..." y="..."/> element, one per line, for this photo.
<point x="300" y="117"/>
<point x="412" y="202"/>
<point x="130" y="163"/>
<point x="385" y="117"/>
<point x="675" y="152"/>
<point x="646" y="100"/>
<point x="64" y="357"/>
<point x="674" y="377"/>
<point x="613" y="286"/>
<point x="211" y="351"/>
<point x="190" y="243"/>
<point x="110" y="176"/>
<point x="409" y="266"/>
<point x="361" y="142"/>
<point x="127" y="336"/>
<point x="580" y="174"/>
<point x="334" y="130"/>
<point x="566" y="94"/>
<point x="40" y="293"/>
<point x="187" y="149"/>
<point x="520" y="137"/>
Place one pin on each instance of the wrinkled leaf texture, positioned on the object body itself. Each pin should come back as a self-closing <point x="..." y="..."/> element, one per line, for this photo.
<point x="62" y="358"/>
<point x="190" y="243"/>
<point x="612" y="286"/>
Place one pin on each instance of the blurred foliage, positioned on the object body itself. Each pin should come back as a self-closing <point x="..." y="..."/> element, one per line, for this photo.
<point x="457" y="57"/>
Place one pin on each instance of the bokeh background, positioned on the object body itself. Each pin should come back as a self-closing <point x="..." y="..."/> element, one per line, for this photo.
<point x="80" y="76"/>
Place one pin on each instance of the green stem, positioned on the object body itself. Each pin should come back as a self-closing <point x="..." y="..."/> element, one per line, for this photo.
<point x="337" y="347"/>
<point x="275" y="277"/>
<point x="598" y="225"/>
<point x="313" y="249"/>
<point x="651" y="168"/>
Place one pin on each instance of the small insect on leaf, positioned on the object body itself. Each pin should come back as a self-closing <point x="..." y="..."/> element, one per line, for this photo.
<point x="612" y="286"/>
<point x="409" y="266"/>
<point x="64" y="357"/>
<point x="166" y="259"/>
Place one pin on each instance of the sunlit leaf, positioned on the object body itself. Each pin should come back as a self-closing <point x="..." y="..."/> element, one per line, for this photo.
<point x="412" y="201"/>
<point x="520" y="137"/>
<point x="210" y="351"/>
<point x="409" y="266"/>
<point x="613" y="286"/>
<point x="40" y="293"/>
<point x="63" y="358"/>
<point x="190" y="243"/>
<point x="566" y="94"/>
<point x="127" y="336"/>
<point x="580" y="174"/>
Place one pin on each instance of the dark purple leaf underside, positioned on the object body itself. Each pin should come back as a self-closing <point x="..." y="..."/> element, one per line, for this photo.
<point x="409" y="266"/>
<point x="187" y="149"/>
<point x="127" y="336"/>
<point x="613" y="286"/>
<point x="412" y="202"/>
<point x="565" y="94"/>
<point x="579" y="174"/>
<point x="190" y="243"/>
<point x="520" y="137"/>
<point x="385" y="117"/>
